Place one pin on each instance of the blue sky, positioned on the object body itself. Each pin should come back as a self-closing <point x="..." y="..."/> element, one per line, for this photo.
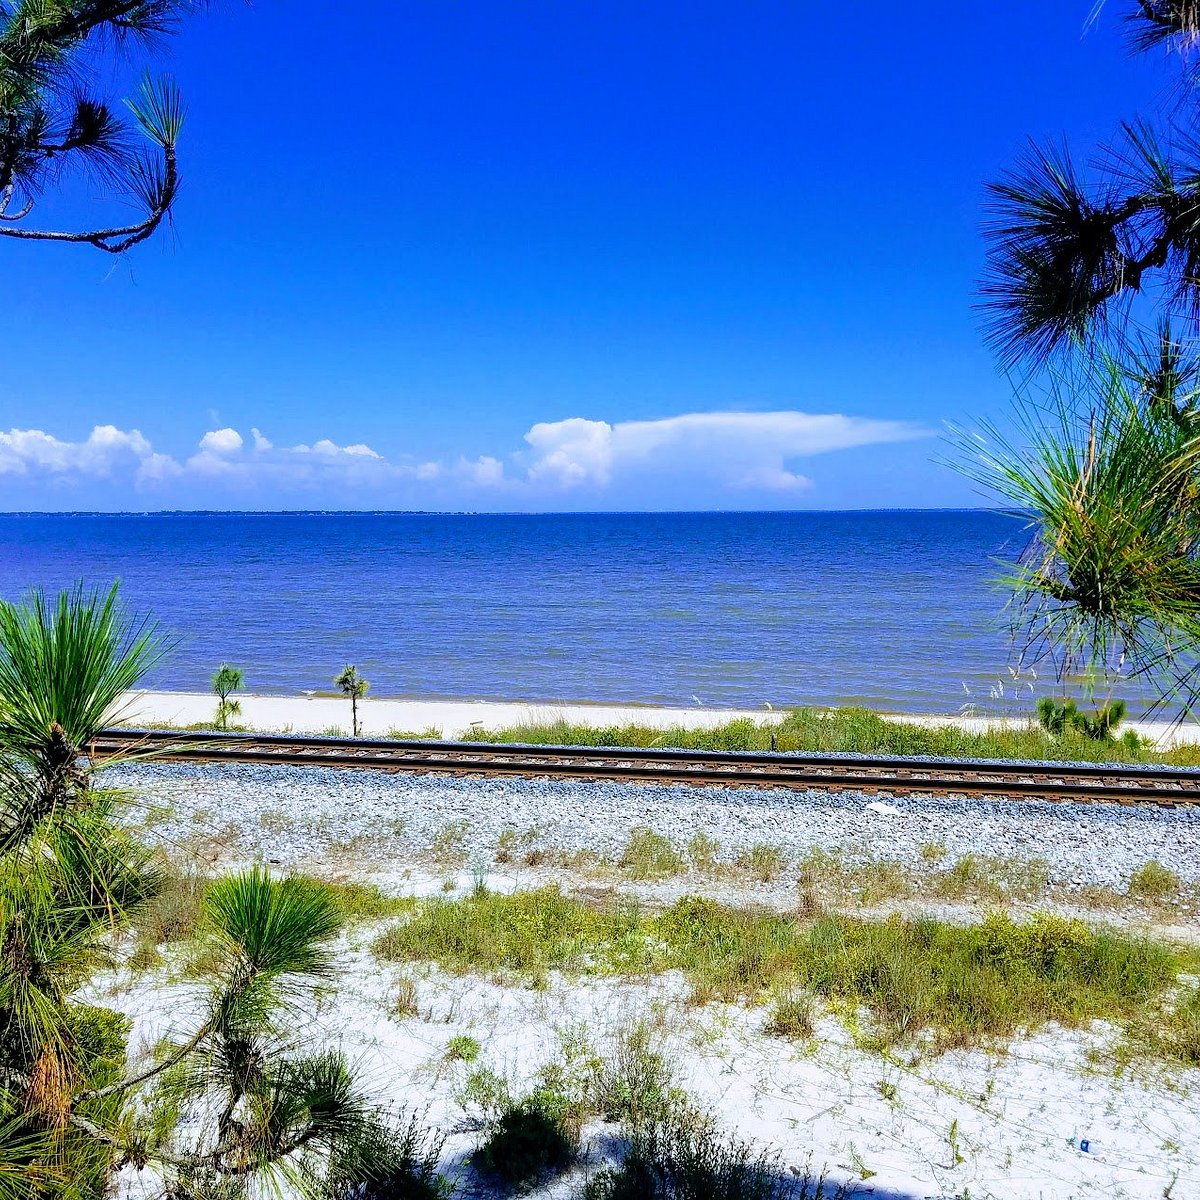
<point x="541" y="256"/>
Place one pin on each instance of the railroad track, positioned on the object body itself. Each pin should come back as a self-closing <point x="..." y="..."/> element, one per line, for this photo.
<point x="1106" y="784"/>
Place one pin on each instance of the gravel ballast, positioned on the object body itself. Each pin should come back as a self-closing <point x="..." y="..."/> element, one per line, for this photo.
<point x="295" y="815"/>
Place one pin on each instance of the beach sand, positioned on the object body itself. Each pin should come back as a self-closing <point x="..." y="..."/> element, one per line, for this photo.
<point x="453" y="718"/>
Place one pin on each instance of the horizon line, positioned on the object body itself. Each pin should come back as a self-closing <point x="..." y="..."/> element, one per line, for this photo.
<point x="416" y="512"/>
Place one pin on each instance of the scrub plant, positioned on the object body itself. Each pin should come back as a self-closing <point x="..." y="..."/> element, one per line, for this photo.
<point x="354" y="688"/>
<point x="259" y="1103"/>
<point x="685" y="1157"/>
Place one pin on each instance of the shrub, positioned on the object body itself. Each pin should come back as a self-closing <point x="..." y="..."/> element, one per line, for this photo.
<point x="390" y="1163"/>
<point x="486" y="1091"/>
<point x="527" y="1141"/>
<point x="635" y="1084"/>
<point x="1061" y="717"/>
<point x="685" y="1158"/>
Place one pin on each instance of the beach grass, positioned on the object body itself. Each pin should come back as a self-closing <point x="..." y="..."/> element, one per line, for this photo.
<point x="848" y="731"/>
<point x="964" y="984"/>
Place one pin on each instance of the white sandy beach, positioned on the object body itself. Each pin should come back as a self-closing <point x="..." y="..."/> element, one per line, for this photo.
<point x="453" y="718"/>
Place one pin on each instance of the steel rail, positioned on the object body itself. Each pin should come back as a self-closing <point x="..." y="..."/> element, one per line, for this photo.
<point x="1098" y="783"/>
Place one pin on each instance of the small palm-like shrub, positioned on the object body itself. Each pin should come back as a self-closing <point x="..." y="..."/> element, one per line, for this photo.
<point x="1059" y="717"/>
<point x="71" y="876"/>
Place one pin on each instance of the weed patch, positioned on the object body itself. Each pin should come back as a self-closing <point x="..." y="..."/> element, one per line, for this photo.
<point x="765" y="863"/>
<point x="1152" y="881"/>
<point x="649" y="855"/>
<point x="527" y="933"/>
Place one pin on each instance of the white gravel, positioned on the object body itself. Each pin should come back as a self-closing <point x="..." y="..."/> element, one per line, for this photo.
<point x="291" y="815"/>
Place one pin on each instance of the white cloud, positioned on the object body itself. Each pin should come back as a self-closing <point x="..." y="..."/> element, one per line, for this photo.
<point x="26" y="450"/>
<point x="742" y="450"/>
<point x="221" y="441"/>
<point x="485" y="471"/>
<point x="572" y="451"/>
<point x="327" y="449"/>
<point x="704" y="452"/>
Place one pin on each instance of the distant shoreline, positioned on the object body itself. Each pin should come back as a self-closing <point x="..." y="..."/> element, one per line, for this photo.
<point x="318" y="713"/>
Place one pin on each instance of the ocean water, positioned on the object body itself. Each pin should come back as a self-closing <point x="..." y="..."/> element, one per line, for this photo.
<point x="889" y="609"/>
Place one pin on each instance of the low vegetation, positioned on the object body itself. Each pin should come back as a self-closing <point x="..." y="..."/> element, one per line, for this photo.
<point x="852" y="731"/>
<point x="1154" y="882"/>
<point x="962" y="984"/>
<point x="685" y="1157"/>
<point x="527" y="1141"/>
<point x="650" y="855"/>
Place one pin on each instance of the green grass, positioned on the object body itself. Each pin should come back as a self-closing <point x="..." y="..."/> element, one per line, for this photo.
<point x="365" y="902"/>
<point x="463" y="1048"/>
<point x="526" y="934"/>
<point x="1152" y="881"/>
<point x="650" y="855"/>
<point x="964" y="983"/>
<point x="848" y="731"/>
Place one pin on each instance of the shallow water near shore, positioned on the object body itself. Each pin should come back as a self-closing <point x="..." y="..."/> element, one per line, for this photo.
<point x="894" y="610"/>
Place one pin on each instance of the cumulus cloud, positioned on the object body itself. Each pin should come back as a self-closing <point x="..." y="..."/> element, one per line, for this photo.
<point x="221" y="441"/>
<point x="730" y="451"/>
<point x="28" y="450"/>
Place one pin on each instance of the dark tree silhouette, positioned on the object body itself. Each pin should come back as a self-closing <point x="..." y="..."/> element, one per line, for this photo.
<point x="1096" y="275"/>
<point x="52" y="123"/>
<point x="1071" y="251"/>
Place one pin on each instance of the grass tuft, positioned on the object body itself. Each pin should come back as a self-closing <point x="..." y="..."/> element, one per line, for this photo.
<point x="765" y="863"/>
<point x="791" y="1015"/>
<point x="463" y="1048"/>
<point x="173" y="914"/>
<point x="650" y="855"/>
<point x="1152" y="881"/>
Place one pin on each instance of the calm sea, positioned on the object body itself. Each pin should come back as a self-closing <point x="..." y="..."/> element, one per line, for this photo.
<point x="889" y="609"/>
